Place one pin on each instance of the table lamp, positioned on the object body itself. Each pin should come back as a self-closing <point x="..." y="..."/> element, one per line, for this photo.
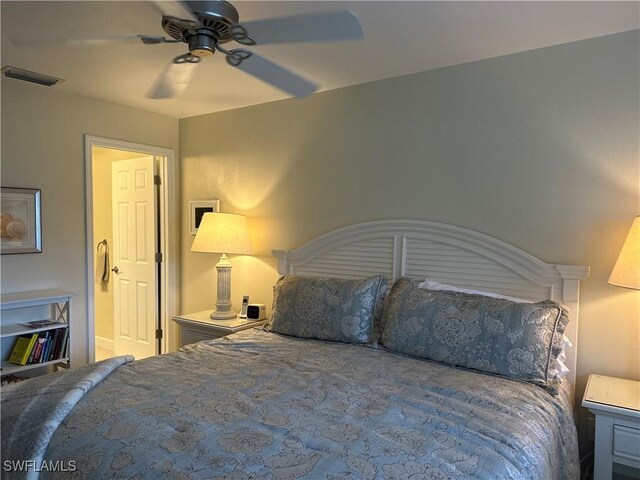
<point x="626" y="271"/>
<point x="223" y="233"/>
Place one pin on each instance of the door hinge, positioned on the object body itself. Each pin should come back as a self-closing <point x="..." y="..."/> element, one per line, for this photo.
<point x="159" y="257"/>
<point x="159" y="333"/>
<point x="157" y="180"/>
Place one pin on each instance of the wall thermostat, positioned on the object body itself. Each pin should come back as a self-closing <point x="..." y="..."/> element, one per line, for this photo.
<point x="257" y="311"/>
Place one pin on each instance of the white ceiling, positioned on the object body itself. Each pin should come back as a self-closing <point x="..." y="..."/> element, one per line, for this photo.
<point x="400" y="38"/>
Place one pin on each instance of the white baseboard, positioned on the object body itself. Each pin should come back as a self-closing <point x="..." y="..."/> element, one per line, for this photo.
<point x="103" y="342"/>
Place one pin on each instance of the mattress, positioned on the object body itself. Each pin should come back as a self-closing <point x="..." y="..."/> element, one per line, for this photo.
<point x="258" y="405"/>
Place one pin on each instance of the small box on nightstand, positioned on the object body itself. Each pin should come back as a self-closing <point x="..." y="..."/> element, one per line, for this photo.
<point x="257" y="311"/>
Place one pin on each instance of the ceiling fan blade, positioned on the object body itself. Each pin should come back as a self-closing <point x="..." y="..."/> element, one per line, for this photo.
<point x="91" y="41"/>
<point x="320" y="27"/>
<point x="177" y="10"/>
<point x="175" y="77"/>
<point x="270" y="72"/>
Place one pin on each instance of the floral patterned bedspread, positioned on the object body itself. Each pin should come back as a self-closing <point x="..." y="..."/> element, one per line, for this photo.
<point x="257" y="405"/>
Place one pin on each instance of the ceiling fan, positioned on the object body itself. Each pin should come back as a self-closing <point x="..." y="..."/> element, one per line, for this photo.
<point x="205" y="26"/>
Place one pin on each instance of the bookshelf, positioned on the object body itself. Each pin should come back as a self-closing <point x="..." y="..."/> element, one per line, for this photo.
<point x="19" y="308"/>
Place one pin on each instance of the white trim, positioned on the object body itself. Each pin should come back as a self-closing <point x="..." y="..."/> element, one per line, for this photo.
<point x="446" y="253"/>
<point x="104" y="342"/>
<point x="169" y="229"/>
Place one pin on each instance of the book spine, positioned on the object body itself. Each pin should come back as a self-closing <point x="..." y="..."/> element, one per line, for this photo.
<point x="48" y="349"/>
<point x="54" y="343"/>
<point x="56" y="346"/>
<point x="30" y="345"/>
<point x="37" y="350"/>
<point x="33" y="350"/>
<point x="65" y="352"/>
<point x="45" y="345"/>
<point x="63" y="344"/>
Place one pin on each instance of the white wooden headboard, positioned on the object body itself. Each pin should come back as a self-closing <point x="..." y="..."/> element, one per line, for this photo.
<point x="417" y="249"/>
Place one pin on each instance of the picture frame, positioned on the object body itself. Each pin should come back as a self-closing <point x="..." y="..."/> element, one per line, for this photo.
<point x="197" y="208"/>
<point x="20" y="220"/>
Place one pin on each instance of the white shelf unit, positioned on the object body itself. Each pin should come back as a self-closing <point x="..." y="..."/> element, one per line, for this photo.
<point x="23" y="307"/>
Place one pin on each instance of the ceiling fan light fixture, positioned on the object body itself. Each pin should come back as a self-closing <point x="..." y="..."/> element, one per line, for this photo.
<point x="27" y="76"/>
<point x="202" y="44"/>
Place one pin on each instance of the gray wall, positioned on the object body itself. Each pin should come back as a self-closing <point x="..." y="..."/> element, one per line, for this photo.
<point x="43" y="147"/>
<point x="539" y="149"/>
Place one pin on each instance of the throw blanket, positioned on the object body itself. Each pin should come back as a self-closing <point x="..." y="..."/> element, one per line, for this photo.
<point x="33" y="410"/>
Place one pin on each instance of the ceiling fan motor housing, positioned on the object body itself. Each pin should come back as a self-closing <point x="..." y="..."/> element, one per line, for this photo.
<point x="215" y="18"/>
<point x="202" y="44"/>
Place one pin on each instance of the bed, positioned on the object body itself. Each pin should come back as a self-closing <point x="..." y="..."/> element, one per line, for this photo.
<point x="261" y="404"/>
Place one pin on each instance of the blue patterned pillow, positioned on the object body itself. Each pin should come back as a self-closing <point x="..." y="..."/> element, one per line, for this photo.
<point x="516" y="340"/>
<point x="327" y="308"/>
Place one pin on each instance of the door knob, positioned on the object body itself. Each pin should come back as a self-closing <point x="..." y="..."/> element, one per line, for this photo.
<point x="115" y="270"/>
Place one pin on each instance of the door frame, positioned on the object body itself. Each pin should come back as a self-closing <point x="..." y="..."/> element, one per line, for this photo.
<point x="168" y="207"/>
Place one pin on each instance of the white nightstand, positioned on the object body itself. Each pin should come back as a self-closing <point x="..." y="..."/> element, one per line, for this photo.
<point x="616" y="404"/>
<point x="195" y="327"/>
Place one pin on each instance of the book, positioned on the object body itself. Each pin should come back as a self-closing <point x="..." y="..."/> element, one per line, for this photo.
<point x="54" y="342"/>
<point x="33" y="351"/>
<point x="63" y="344"/>
<point x="45" y="344"/>
<point x="65" y="350"/>
<point x="38" y="349"/>
<point x="22" y="349"/>
<point x="40" y="323"/>
<point x="8" y="379"/>
<point x="47" y="347"/>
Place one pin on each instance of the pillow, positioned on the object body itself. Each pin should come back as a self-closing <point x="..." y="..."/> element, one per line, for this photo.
<point x="430" y="284"/>
<point x="516" y="340"/>
<point x="327" y="308"/>
<point x="561" y="369"/>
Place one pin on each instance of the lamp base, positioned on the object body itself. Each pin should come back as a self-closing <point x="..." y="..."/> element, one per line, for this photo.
<point x="223" y="302"/>
<point x="216" y="315"/>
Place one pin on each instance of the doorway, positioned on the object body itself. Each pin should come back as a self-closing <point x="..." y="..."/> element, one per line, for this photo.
<point x="131" y="277"/>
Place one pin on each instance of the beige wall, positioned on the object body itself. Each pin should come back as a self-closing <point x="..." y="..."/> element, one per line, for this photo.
<point x="43" y="147"/>
<point x="539" y="149"/>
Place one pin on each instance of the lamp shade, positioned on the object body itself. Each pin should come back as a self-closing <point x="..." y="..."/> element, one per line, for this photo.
<point x="223" y="233"/>
<point x="626" y="271"/>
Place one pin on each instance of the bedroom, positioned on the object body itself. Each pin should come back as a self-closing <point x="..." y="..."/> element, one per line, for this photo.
<point x="538" y="149"/>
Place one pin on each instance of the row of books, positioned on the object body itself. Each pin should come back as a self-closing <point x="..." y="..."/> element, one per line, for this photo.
<point x="8" y="379"/>
<point x="41" y="347"/>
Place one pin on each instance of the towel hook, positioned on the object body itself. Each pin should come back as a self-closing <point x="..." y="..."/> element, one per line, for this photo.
<point x="104" y="244"/>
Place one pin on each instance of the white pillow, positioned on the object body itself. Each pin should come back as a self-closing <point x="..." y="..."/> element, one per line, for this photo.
<point x="430" y="284"/>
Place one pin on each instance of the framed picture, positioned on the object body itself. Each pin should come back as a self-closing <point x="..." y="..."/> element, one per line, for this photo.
<point x="20" y="223"/>
<point x="197" y="209"/>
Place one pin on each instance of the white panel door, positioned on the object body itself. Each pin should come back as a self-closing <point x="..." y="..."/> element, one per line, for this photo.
<point x="134" y="248"/>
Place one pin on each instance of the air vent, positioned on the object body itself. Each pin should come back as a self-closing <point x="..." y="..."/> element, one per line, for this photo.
<point x="27" y="76"/>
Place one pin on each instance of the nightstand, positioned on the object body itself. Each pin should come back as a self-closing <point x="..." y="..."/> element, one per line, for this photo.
<point x="616" y="404"/>
<point x="195" y="327"/>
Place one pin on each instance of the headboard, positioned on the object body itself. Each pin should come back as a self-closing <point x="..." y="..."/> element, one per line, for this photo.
<point x="417" y="249"/>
